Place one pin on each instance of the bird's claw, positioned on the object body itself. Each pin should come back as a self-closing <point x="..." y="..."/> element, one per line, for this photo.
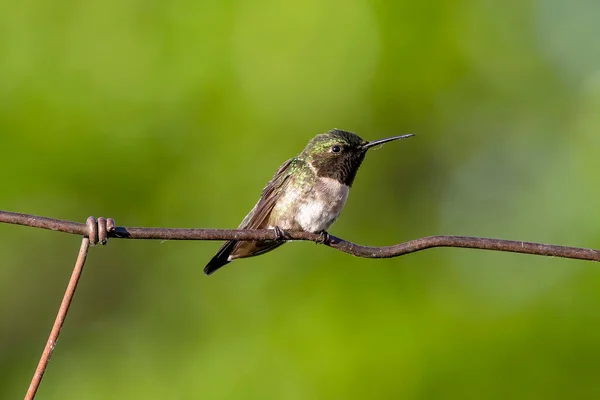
<point x="279" y="233"/>
<point x="323" y="237"/>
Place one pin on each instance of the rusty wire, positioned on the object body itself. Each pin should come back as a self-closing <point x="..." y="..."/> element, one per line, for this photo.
<point x="59" y="321"/>
<point x="98" y="231"/>
<point x="334" y="242"/>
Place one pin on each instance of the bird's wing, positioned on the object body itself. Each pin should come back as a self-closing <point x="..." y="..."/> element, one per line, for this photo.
<point x="259" y="216"/>
<point x="256" y="219"/>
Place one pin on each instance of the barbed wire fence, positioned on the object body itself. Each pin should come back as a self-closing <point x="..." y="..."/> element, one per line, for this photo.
<point x="98" y="231"/>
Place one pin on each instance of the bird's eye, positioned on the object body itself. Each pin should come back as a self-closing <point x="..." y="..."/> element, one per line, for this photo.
<point x="336" y="149"/>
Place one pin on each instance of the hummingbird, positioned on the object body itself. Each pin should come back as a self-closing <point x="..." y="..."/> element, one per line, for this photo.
<point x="308" y="192"/>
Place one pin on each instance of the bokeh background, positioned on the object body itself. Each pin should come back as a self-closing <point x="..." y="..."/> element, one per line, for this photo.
<point x="176" y="114"/>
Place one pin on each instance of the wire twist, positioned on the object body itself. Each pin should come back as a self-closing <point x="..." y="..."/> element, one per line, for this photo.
<point x="98" y="230"/>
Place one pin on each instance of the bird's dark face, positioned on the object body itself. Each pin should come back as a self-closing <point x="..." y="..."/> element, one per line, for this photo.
<point x="336" y="154"/>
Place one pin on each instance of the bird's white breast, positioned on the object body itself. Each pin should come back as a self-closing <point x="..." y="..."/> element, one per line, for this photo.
<point x="318" y="213"/>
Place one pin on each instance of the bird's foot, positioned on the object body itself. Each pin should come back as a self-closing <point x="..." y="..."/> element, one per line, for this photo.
<point x="280" y="234"/>
<point x="323" y="237"/>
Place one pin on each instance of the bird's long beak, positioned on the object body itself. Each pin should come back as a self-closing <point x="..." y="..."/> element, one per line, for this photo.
<point x="382" y="141"/>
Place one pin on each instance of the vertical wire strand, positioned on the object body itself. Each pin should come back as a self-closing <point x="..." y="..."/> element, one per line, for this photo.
<point x="60" y="319"/>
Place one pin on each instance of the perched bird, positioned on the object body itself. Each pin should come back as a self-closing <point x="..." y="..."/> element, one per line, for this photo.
<point x="307" y="193"/>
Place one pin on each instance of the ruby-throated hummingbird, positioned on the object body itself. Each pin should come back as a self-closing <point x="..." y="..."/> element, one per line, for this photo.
<point x="307" y="193"/>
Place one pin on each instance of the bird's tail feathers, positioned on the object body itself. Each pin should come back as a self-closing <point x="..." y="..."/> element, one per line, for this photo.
<point x="221" y="258"/>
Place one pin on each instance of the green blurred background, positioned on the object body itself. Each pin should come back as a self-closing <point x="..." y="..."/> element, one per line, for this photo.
<point x="176" y="114"/>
